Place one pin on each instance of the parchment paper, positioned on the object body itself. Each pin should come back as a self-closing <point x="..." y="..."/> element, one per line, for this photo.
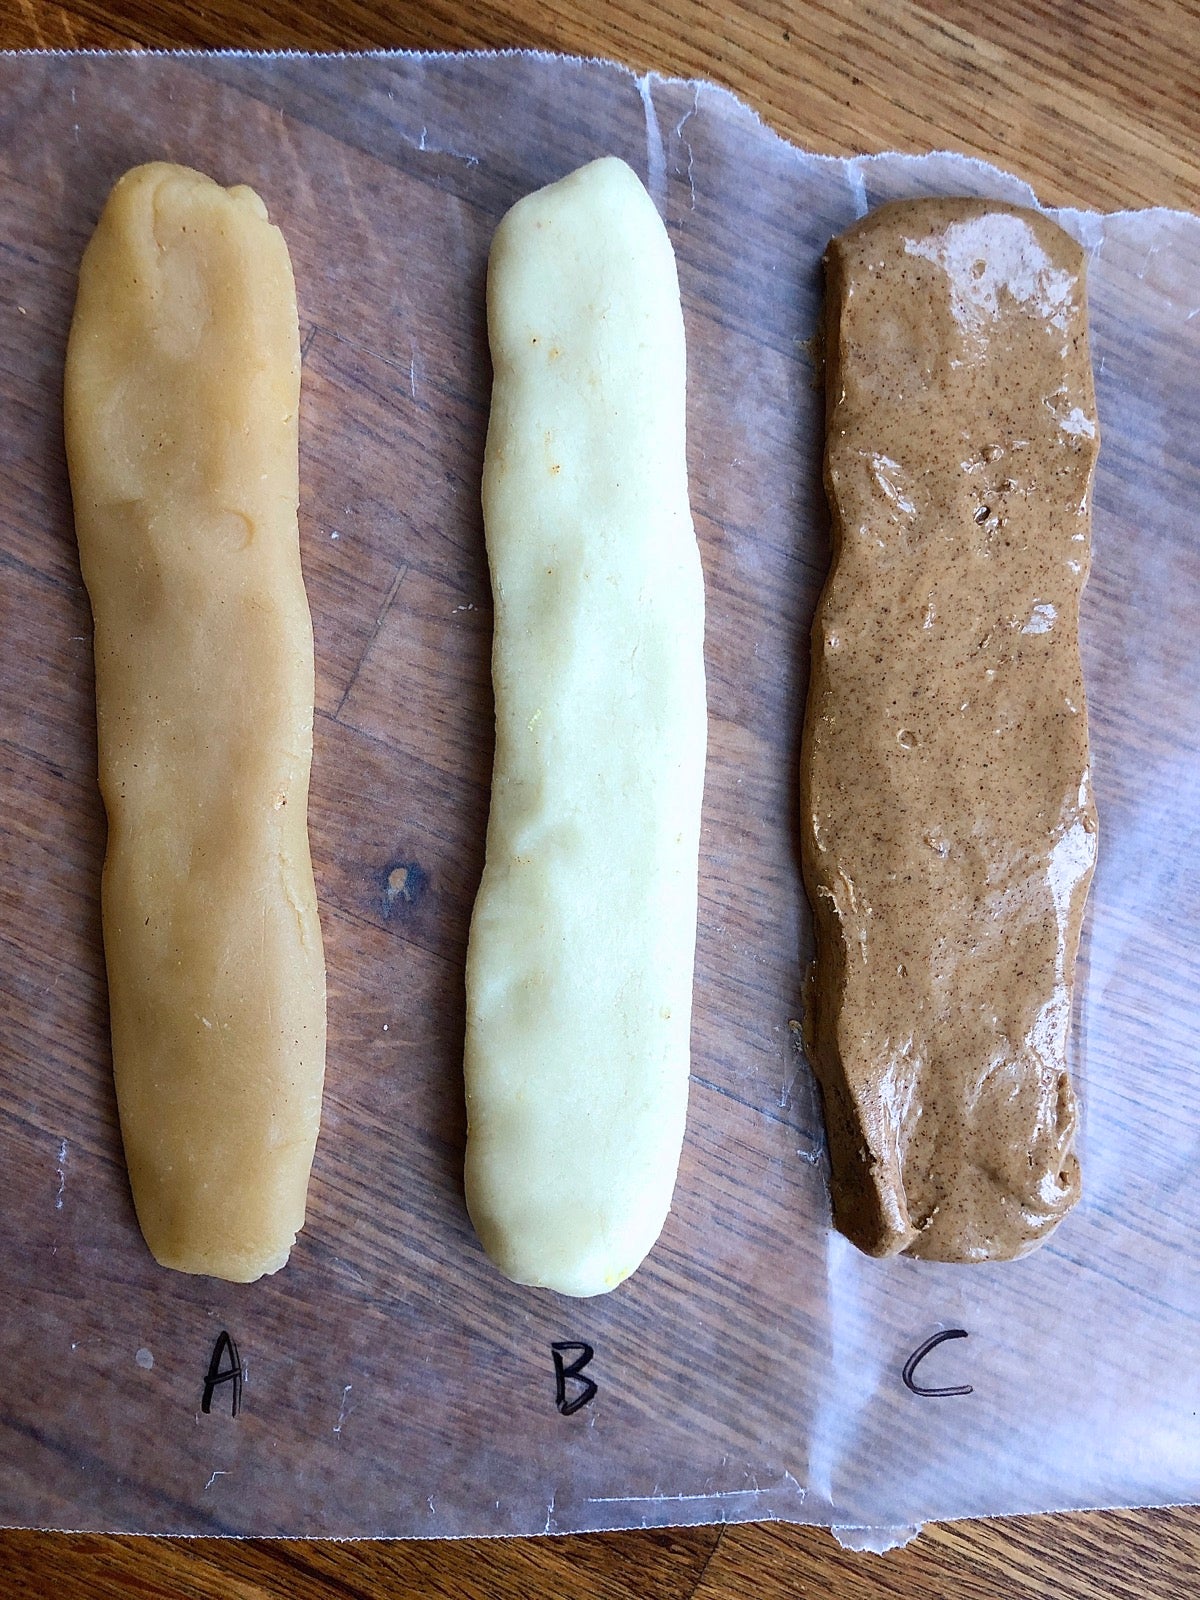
<point x="393" y="1382"/>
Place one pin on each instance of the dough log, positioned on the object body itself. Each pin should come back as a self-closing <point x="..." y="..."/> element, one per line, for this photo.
<point x="182" y="394"/>
<point x="949" y="832"/>
<point x="579" y="973"/>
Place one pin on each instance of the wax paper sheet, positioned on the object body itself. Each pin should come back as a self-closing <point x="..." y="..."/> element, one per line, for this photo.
<point x="391" y="1381"/>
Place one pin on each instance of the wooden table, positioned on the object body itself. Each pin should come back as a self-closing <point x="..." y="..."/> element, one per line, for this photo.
<point x="1095" y="104"/>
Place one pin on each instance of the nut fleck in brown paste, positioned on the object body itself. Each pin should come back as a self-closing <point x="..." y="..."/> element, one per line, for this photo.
<point x="949" y="832"/>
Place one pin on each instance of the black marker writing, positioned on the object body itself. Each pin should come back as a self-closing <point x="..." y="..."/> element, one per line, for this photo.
<point x="562" y="1372"/>
<point x="218" y="1374"/>
<point x="919" y="1354"/>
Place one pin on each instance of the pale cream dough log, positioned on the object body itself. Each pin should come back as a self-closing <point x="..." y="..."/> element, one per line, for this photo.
<point x="181" y="409"/>
<point x="579" y="973"/>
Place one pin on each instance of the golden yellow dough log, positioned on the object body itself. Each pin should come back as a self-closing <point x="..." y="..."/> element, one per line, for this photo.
<point x="182" y="393"/>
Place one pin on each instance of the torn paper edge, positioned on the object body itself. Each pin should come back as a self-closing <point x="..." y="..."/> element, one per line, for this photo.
<point x="874" y="1541"/>
<point x="643" y="82"/>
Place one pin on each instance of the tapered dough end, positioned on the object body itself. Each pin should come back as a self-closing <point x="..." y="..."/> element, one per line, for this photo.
<point x="564" y="1225"/>
<point x="193" y="1227"/>
<point x="200" y="1262"/>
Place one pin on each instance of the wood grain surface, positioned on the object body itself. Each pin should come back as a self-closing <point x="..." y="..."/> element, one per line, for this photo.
<point x="1095" y="104"/>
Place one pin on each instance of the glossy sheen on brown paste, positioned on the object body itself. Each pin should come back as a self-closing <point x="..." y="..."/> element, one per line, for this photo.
<point x="949" y="833"/>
